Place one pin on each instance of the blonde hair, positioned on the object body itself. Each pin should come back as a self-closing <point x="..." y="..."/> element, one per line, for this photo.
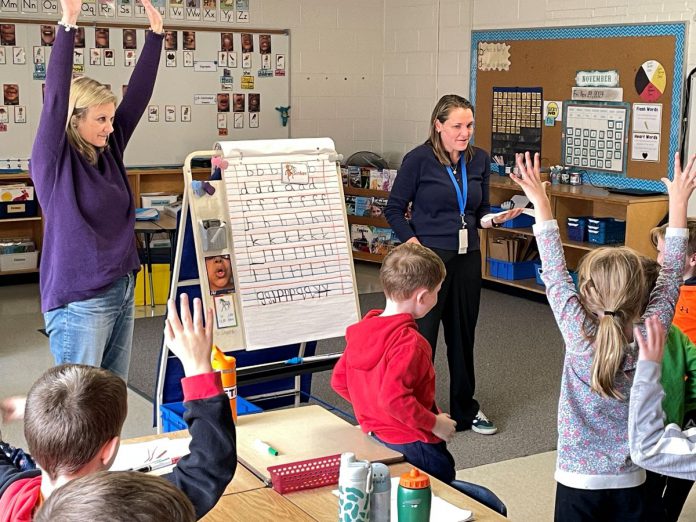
<point x="610" y="283"/>
<point x="85" y="93"/>
<point x="72" y="411"/>
<point x="441" y="113"/>
<point x="407" y="268"/>
<point x="117" y="496"/>
<point x="659" y="233"/>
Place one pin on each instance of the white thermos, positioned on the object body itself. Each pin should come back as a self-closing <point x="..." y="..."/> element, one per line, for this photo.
<point x="380" y="500"/>
<point x="354" y="485"/>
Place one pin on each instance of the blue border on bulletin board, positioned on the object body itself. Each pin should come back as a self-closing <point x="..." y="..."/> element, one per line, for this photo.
<point x="675" y="29"/>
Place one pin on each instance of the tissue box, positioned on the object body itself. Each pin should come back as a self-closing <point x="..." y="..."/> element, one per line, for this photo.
<point x="157" y="200"/>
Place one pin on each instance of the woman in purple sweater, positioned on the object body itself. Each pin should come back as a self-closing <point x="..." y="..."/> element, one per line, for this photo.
<point x="89" y="254"/>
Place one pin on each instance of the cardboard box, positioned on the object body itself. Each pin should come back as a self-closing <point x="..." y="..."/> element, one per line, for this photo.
<point x="157" y="200"/>
<point x="19" y="261"/>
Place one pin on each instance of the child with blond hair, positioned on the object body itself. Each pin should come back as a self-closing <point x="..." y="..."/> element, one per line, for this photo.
<point x="596" y="478"/>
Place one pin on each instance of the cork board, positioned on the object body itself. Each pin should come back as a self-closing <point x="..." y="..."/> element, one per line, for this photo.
<point x="551" y="57"/>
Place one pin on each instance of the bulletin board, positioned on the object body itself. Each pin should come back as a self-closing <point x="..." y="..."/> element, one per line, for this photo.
<point x="202" y="93"/>
<point x="550" y="58"/>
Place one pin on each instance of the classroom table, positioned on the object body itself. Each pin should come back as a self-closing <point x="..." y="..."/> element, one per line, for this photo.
<point x="167" y="224"/>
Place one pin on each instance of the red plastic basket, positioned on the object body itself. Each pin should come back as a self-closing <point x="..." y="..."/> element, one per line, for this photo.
<point x="305" y="474"/>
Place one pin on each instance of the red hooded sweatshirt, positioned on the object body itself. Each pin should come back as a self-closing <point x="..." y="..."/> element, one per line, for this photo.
<point x="387" y="374"/>
<point x="20" y="500"/>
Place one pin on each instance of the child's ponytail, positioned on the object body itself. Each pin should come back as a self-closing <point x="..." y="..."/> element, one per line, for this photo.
<point x="610" y="342"/>
<point x="611" y="287"/>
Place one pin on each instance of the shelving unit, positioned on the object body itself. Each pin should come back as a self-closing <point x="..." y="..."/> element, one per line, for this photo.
<point x="170" y="180"/>
<point x="640" y="213"/>
<point x="380" y="222"/>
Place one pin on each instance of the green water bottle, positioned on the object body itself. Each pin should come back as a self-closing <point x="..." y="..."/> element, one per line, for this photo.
<point x="413" y="497"/>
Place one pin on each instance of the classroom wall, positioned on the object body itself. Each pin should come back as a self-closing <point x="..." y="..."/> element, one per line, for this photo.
<point x="427" y="48"/>
<point x="336" y="68"/>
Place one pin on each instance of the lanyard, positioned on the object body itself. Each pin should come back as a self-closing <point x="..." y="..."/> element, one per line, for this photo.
<point x="463" y="192"/>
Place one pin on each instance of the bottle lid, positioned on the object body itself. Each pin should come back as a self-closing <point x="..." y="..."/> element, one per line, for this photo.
<point x="414" y="479"/>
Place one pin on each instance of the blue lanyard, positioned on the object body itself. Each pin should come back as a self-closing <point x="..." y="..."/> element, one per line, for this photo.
<point x="463" y="192"/>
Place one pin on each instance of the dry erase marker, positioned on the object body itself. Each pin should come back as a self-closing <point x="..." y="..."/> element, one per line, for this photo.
<point x="157" y="464"/>
<point x="265" y="448"/>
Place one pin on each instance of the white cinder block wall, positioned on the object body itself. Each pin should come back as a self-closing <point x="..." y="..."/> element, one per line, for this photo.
<point x="336" y="53"/>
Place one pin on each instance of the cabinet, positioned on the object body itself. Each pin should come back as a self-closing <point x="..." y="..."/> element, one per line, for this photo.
<point x="640" y="213"/>
<point x="379" y="222"/>
<point x="170" y="180"/>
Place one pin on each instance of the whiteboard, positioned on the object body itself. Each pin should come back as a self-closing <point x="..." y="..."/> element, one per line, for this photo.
<point x="179" y="86"/>
<point x="293" y="263"/>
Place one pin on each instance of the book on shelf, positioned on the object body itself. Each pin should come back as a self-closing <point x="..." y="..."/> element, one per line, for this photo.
<point x="362" y="206"/>
<point x="360" y="237"/>
<point x="350" y="205"/>
<point x="375" y="240"/>
<point x="354" y="178"/>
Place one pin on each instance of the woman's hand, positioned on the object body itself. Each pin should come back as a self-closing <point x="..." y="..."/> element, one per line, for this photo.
<point x="71" y="10"/>
<point x="153" y="16"/>
<point x="507" y="216"/>
<point x="652" y="346"/>
<point x="529" y="178"/>
<point x="680" y="189"/>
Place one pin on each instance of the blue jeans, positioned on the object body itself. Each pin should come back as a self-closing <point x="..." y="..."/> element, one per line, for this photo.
<point x="96" y="331"/>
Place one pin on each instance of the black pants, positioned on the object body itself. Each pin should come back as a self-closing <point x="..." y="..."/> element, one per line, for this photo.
<point x="435" y="459"/>
<point x="458" y="308"/>
<point x="600" y="505"/>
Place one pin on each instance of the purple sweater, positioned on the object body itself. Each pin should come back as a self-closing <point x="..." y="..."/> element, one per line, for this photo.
<point x="89" y="214"/>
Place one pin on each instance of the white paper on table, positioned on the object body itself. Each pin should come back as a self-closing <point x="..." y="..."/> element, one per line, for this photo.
<point x="440" y="509"/>
<point x="133" y="456"/>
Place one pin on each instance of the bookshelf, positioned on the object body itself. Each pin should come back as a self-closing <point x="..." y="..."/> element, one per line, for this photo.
<point x="641" y="214"/>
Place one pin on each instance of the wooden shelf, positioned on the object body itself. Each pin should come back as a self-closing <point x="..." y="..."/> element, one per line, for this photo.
<point x="582" y="245"/>
<point x="366" y="256"/>
<point x="526" y="284"/>
<point x="370" y="193"/>
<point x="16" y="272"/>
<point x="14" y="220"/>
<point x="375" y="222"/>
<point x="19" y="175"/>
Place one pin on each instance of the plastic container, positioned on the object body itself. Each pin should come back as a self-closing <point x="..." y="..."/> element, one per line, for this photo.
<point x="173" y="414"/>
<point x="577" y="228"/>
<point x="606" y="231"/>
<point x="305" y="474"/>
<point x="537" y="266"/>
<point x="511" y="271"/>
<point x="522" y="221"/>
<point x="413" y="497"/>
<point x="19" y="261"/>
<point x="227" y="366"/>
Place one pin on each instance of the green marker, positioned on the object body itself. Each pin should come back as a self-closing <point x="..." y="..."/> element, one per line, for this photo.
<point x="265" y="448"/>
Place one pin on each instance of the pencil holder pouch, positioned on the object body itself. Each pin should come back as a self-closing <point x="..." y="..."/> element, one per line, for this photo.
<point x="213" y="234"/>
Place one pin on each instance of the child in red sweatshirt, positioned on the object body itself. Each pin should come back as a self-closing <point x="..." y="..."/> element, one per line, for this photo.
<point x="386" y="371"/>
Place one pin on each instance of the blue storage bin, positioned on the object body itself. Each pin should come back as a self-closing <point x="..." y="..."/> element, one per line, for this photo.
<point x="523" y="221"/>
<point x="577" y="228"/>
<point x="498" y="169"/>
<point x="511" y="271"/>
<point x="606" y="231"/>
<point x="173" y="414"/>
<point x="537" y="267"/>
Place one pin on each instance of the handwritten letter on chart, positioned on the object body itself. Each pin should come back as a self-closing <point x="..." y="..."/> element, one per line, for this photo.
<point x="290" y="243"/>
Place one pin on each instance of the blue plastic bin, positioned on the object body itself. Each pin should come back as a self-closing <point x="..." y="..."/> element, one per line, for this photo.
<point x="523" y="221"/>
<point x="606" y="231"/>
<point x="173" y="414"/>
<point x="537" y="267"/>
<point x="511" y="271"/>
<point x="577" y="228"/>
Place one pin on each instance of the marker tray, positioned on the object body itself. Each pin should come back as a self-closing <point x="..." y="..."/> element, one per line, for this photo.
<point x="305" y="474"/>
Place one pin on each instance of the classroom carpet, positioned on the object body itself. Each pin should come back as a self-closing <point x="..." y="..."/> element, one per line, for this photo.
<point x="519" y="358"/>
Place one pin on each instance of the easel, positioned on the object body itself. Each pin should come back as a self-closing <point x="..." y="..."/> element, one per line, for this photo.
<point x="182" y="281"/>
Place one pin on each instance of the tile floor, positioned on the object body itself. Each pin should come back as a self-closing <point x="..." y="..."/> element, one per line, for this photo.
<point x="525" y="484"/>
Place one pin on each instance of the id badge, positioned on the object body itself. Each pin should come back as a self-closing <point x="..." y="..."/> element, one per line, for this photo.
<point x="463" y="240"/>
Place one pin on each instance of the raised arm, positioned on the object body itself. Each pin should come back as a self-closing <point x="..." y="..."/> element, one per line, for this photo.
<point x="142" y="81"/>
<point x="50" y="135"/>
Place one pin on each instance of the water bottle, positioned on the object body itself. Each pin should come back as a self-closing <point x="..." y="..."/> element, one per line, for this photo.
<point x="413" y="497"/>
<point x="227" y="366"/>
<point x="380" y="500"/>
<point x="354" y="485"/>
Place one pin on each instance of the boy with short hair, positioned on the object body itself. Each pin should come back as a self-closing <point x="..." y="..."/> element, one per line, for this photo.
<point x="74" y="415"/>
<point x="117" y="496"/>
<point x="386" y="371"/>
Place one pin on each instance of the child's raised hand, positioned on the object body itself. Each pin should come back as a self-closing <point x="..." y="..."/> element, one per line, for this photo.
<point x="652" y="346"/>
<point x="71" y="10"/>
<point x="529" y="178"/>
<point x="188" y="338"/>
<point x="12" y="408"/>
<point x="445" y="427"/>
<point x="680" y="189"/>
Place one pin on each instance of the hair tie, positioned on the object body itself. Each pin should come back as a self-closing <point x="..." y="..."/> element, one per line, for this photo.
<point x="610" y="313"/>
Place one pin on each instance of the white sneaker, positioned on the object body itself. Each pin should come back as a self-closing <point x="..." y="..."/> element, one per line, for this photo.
<point x="482" y="425"/>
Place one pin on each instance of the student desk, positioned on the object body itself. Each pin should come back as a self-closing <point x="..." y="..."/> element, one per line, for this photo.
<point x="165" y="223"/>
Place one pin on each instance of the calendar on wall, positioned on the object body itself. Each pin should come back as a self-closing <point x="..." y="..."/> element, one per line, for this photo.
<point x="516" y="125"/>
<point x="595" y="136"/>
